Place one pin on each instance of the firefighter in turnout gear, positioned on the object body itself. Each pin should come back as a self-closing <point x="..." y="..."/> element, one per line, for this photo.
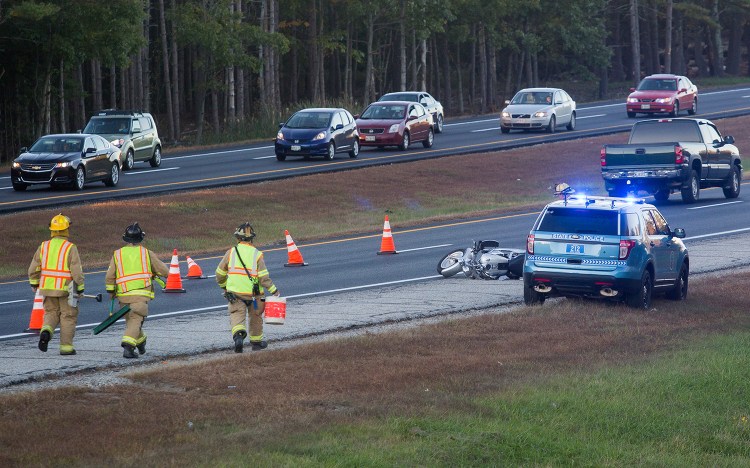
<point x="243" y="276"/>
<point x="55" y="264"/>
<point x="130" y="277"/>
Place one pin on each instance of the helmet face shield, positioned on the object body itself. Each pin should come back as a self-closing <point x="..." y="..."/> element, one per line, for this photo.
<point x="244" y="232"/>
<point x="133" y="234"/>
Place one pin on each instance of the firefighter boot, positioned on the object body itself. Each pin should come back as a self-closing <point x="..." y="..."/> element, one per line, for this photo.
<point x="141" y="347"/>
<point x="44" y="338"/>
<point x="239" y="338"/>
<point x="128" y="351"/>
<point x="258" y="345"/>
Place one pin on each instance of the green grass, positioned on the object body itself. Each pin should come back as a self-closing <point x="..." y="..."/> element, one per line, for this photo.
<point x="690" y="408"/>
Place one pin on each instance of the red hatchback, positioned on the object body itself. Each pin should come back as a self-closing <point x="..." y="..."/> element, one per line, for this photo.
<point x="663" y="94"/>
<point x="395" y="123"/>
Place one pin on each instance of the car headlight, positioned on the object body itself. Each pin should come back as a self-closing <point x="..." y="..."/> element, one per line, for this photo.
<point x="62" y="164"/>
<point x="505" y="114"/>
<point x="632" y="99"/>
<point x="319" y="136"/>
<point x="665" y="100"/>
<point x="394" y="128"/>
<point x="16" y="165"/>
<point x="540" y="114"/>
<point x="118" y="143"/>
<point x="280" y="136"/>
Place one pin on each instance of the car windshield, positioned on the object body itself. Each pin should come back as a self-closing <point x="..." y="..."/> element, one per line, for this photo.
<point x="57" y="145"/>
<point x="411" y="97"/>
<point x="532" y="97"/>
<point x="309" y="120"/>
<point x="654" y="131"/>
<point x="384" y="112"/>
<point x="108" y="126"/>
<point x="579" y="221"/>
<point x="668" y="84"/>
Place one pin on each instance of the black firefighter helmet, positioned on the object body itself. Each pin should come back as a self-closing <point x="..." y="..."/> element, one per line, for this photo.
<point x="133" y="234"/>
<point x="245" y="232"/>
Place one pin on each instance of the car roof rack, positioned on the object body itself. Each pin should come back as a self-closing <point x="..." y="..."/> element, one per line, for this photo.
<point x="104" y="112"/>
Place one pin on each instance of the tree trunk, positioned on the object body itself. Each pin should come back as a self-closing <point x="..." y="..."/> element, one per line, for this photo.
<point x="618" y="68"/>
<point x="668" y="37"/>
<point x="348" y="94"/>
<point x="482" y="69"/>
<point x="460" y="72"/>
<point x="369" y="95"/>
<point x="61" y="98"/>
<point x="144" y="58"/>
<point x="679" y="65"/>
<point x="413" y="59"/>
<point x="635" y="42"/>
<point x="446" y="98"/>
<point x="175" y="79"/>
<point x="165" y="63"/>
<point x="113" y="86"/>
<point x="402" y="46"/>
<point x="81" y="117"/>
<point x="734" y="52"/>
<point x="717" y="51"/>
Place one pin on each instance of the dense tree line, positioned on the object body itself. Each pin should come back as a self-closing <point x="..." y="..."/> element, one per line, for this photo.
<point x="219" y="65"/>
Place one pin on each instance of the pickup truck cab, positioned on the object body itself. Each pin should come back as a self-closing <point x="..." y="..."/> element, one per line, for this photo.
<point x="668" y="155"/>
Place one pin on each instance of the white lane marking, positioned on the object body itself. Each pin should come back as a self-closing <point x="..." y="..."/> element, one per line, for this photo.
<point x="6" y="177"/>
<point x="265" y="157"/>
<point x="150" y="171"/>
<point x="713" y="234"/>
<point x="223" y="306"/>
<point x="5" y="188"/>
<point x="217" y="152"/>
<point x="486" y="129"/>
<point x="425" y="248"/>
<point x="591" y="116"/>
<point x="13" y="302"/>
<point x="470" y="122"/>
<point x="746" y="96"/>
<point x="717" y="204"/>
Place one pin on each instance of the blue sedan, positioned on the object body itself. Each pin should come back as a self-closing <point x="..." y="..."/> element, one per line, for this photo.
<point x="318" y="132"/>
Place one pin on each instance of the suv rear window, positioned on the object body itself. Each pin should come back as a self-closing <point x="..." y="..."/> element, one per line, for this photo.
<point x="579" y="221"/>
<point x="654" y="131"/>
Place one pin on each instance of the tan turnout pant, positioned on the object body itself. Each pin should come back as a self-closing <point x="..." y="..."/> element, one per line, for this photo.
<point x="238" y="311"/>
<point x="58" y="312"/>
<point x="134" y="323"/>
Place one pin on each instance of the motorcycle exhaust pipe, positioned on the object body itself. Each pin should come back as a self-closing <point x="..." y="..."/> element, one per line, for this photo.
<point x="608" y="292"/>
<point x="542" y="288"/>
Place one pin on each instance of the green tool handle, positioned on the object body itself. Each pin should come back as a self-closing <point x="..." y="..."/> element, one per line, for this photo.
<point x="160" y="281"/>
<point x="111" y="306"/>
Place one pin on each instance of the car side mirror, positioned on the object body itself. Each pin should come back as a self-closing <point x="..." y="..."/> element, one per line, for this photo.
<point x="729" y="139"/>
<point x="281" y="124"/>
<point x="678" y="233"/>
<point x="90" y="150"/>
<point x="356" y="116"/>
<point x="339" y="126"/>
<point x="683" y="90"/>
<point x="412" y="117"/>
<point x="24" y="149"/>
<point x="507" y="102"/>
<point x="632" y="90"/>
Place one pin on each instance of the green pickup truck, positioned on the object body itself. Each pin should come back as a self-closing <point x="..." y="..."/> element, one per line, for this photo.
<point x="668" y="155"/>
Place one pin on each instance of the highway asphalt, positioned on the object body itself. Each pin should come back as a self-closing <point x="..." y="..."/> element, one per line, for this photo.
<point x="207" y="336"/>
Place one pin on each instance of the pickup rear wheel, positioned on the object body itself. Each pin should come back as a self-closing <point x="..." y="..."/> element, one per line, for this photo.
<point x="732" y="189"/>
<point x="661" y="195"/>
<point x="692" y="192"/>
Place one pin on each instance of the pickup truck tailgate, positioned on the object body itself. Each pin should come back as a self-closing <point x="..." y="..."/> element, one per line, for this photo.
<point x="652" y="155"/>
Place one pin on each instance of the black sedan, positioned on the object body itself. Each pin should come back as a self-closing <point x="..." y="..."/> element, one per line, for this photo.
<point x="67" y="160"/>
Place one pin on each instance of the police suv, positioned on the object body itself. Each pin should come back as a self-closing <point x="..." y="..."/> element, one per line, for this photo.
<point x="607" y="248"/>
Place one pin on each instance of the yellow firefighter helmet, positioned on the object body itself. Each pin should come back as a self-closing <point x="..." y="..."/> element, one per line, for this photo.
<point x="59" y="223"/>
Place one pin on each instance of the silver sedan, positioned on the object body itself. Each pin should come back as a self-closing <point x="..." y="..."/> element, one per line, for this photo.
<point x="539" y="109"/>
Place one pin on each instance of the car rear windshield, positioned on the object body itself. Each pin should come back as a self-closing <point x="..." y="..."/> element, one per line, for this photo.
<point x="579" y="221"/>
<point x="667" y="131"/>
<point x="400" y="97"/>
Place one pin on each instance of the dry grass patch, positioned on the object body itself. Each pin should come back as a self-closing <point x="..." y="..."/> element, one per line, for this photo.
<point x="247" y="400"/>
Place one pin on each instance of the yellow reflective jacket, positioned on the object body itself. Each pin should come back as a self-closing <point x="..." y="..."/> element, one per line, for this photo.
<point x="55" y="263"/>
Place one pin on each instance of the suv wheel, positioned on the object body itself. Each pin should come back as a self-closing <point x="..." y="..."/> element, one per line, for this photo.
<point x="680" y="289"/>
<point x="531" y="297"/>
<point x="114" y="176"/>
<point x="155" y="160"/>
<point x="692" y="192"/>
<point x="129" y="161"/>
<point x="641" y="299"/>
<point x="732" y="190"/>
<point x="20" y="187"/>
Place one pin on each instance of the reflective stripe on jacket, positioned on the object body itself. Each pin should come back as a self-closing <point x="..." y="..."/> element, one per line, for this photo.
<point x="133" y="267"/>
<point x="237" y="279"/>
<point x="55" y="267"/>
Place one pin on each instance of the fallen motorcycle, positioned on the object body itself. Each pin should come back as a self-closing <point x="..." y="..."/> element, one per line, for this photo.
<point x="485" y="259"/>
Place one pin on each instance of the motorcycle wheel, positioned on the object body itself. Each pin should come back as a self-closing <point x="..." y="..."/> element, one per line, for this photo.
<point x="450" y="264"/>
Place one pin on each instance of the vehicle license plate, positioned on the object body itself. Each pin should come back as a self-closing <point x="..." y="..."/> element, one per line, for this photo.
<point x="640" y="174"/>
<point x="296" y="147"/>
<point x="645" y="106"/>
<point x="574" y="248"/>
<point x="369" y="138"/>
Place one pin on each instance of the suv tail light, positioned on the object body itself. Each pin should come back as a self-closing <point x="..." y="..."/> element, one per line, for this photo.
<point x="678" y="156"/>
<point x="530" y="244"/>
<point x="603" y="156"/>
<point x="625" y="247"/>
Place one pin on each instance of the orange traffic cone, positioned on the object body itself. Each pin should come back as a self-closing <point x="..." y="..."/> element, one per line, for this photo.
<point x="386" y="245"/>
<point x="37" y="313"/>
<point x="174" y="281"/>
<point x="194" y="270"/>
<point x="293" y="253"/>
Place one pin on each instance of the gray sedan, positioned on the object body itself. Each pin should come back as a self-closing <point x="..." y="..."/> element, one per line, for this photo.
<point x="539" y="109"/>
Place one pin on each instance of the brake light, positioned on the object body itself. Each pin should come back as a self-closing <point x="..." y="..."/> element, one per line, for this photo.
<point x="678" y="156"/>
<point x="603" y="156"/>
<point x="625" y="247"/>
<point x="530" y="244"/>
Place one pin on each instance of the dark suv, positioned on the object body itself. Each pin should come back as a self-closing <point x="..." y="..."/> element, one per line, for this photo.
<point x="602" y="247"/>
<point x="133" y="132"/>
